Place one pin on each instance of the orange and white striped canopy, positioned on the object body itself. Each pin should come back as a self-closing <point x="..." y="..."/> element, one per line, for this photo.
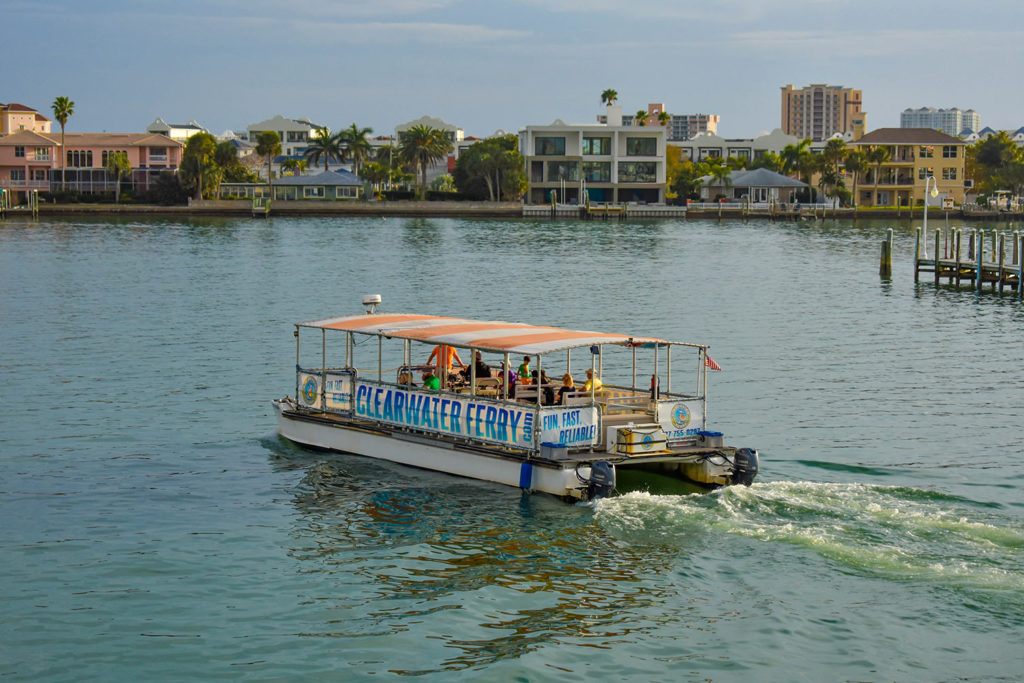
<point x="492" y="335"/>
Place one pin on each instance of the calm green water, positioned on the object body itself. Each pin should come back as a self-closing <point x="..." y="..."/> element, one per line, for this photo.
<point x="154" y="526"/>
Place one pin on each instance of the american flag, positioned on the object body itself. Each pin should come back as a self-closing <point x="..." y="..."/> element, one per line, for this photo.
<point x="710" y="363"/>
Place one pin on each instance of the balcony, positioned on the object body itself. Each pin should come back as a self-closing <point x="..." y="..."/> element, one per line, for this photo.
<point x="158" y="158"/>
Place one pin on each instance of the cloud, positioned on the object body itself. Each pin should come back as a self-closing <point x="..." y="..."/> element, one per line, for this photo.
<point x="853" y="44"/>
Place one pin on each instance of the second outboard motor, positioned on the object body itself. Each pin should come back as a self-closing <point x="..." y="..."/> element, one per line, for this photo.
<point x="744" y="466"/>
<point x="602" y="480"/>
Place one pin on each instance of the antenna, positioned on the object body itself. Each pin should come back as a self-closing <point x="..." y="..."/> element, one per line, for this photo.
<point x="371" y="301"/>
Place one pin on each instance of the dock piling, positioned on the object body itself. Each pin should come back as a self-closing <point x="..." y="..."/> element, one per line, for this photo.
<point x="885" y="267"/>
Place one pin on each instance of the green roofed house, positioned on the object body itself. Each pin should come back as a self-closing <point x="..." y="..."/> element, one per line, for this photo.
<point x="326" y="185"/>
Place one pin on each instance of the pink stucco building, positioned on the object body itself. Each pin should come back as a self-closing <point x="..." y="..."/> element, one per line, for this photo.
<point x="35" y="161"/>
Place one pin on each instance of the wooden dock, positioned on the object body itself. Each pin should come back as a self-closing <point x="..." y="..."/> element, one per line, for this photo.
<point x="971" y="256"/>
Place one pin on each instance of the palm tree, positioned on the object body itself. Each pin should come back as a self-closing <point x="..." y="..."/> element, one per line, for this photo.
<point x="877" y="156"/>
<point x="324" y="146"/>
<point x="197" y="159"/>
<point x="118" y="166"/>
<point x="856" y="163"/>
<point x="356" y="145"/>
<point x="63" y="109"/>
<point x="268" y="146"/>
<point x="835" y="151"/>
<point x="723" y="174"/>
<point x="296" y="166"/>
<point x="641" y="118"/>
<point x="609" y="96"/>
<point x="806" y="164"/>
<point x="421" y="146"/>
<point x="664" y="118"/>
<point x="791" y="155"/>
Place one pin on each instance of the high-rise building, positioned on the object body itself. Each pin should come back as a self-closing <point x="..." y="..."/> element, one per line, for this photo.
<point x="820" y="111"/>
<point x="680" y="127"/>
<point x="952" y="121"/>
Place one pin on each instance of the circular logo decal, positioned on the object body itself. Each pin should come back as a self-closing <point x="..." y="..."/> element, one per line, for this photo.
<point x="309" y="390"/>
<point x="648" y="442"/>
<point x="680" y="416"/>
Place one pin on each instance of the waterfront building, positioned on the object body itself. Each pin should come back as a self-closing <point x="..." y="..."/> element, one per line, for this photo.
<point x="32" y="161"/>
<point x="326" y="185"/>
<point x="819" y="111"/>
<point x="15" y="117"/>
<point x="454" y="134"/>
<point x="680" y="126"/>
<point x="915" y="154"/>
<point x="759" y="186"/>
<point x="952" y="120"/>
<point x="294" y="133"/>
<point x="709" y="146"/>
<point x="175" y="131"/>
<point x="607" y="162"/>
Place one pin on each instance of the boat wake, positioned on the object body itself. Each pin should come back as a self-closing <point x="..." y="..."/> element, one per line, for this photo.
<point x="892" y="532"/>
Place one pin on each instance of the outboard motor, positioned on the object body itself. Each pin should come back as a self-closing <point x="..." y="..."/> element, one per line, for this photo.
<point x="744" y="466"/>
<point x="602" y="480"/>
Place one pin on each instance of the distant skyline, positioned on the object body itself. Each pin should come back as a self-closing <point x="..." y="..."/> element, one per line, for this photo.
<point x="486" y="66"/>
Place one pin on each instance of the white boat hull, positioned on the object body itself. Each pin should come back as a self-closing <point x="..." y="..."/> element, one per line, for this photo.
<point x="558" y="480"/>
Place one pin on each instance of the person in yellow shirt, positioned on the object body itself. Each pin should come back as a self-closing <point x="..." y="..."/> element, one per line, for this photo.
<point x="592" y="383"/>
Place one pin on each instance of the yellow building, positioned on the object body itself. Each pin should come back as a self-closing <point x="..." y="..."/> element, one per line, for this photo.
<point x="915" y="155"/>
<point x="16" y="117"/>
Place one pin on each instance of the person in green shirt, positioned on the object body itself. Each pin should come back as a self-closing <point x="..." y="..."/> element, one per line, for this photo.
<point x="431" y="381"/>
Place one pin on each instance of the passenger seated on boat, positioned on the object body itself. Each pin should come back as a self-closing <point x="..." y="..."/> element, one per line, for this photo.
<point x="568" y="386"/>
<point x="405" y="379"/>
<point x="483" y="370"/>
<point x="430" y="380"/>
<point x="544" y="382"/>
<point x="445" y="355"/>
<point x="508" y="378"/>
<point x="592" y="383"/>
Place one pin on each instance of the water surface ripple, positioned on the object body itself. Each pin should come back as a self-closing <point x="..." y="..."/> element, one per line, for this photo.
<point x="155" y="526"/>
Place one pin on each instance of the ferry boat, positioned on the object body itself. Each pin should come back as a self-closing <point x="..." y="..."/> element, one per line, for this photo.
<point x="356" y="391"/>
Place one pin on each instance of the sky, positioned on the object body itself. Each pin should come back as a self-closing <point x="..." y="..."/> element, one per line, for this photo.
<point x="486" y="65"/>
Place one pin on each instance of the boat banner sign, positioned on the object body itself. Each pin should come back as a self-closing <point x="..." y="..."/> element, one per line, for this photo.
<point x="573" y="426"/>
<point x="337" y="391"/>
<point x="464" y="416"/>
<point x="681" y="419"/>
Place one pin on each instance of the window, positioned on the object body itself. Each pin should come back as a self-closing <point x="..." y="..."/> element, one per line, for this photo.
<point x="638" y="172"/>
<point x="923" y="173"/>
<point x="563" y="170"/>
<point x="79" y="158"/>
<point x="108" y="152"/>
<point x="641" y="147"/>
<point x="949" y="174"/>
<point x="927" y="152"/>
<point x="313" y="192"/>
<point x="597" y="146"/>
<point x="597" y="171"/>
<point x="949" y="151"/>
<point x="19" y="151"/>
<point x="17" y="175"/>
<point x="297" y="136"/>
<point x="42" y="153"/>
<point x="549" y="146"/>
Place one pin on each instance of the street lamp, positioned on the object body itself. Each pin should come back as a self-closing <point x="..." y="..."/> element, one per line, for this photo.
<point x="929" y="180"/>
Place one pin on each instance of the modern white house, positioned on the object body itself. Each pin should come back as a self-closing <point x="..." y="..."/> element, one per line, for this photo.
<point x="175" y="131"/>
<point x="708" y="145"/>
<point x="571" y="163"/>
<point x="295" y="134"/>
